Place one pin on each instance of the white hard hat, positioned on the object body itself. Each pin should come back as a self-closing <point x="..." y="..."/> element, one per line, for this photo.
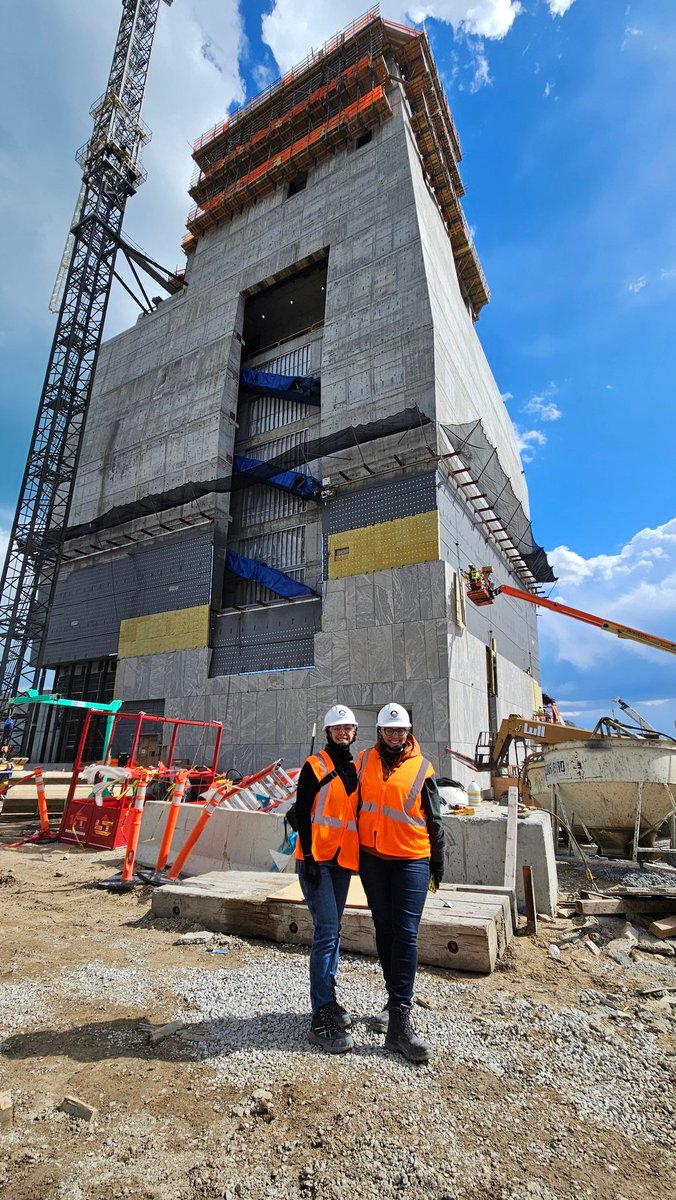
<point x="393" y="716"/>
<point x="338" y="714"/>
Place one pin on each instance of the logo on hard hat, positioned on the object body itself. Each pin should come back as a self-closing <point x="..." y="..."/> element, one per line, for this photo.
<point x="342" y="712"/>
<point x="394" y="712"/>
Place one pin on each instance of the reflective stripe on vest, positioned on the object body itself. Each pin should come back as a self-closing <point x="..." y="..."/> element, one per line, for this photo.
<point x="396" y="814"/>
<point x="319" y="816"/>
<point x="390" y="813"/>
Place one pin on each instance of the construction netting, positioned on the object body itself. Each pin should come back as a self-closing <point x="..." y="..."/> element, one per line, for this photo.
<point x="484" y="469"/>
<point x="301" y="454"/>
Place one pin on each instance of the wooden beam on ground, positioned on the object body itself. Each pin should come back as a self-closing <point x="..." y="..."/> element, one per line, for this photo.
<point x="529" y="892"/>
<point x="666" y="928"/>
<point x="603" y="906"/>
<point x="459" y="931"/>
<point x="510" y="841"/>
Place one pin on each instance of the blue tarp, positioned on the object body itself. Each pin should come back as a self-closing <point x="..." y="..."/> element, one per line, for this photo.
<point x="275" y="581"/>
<point x="289" y="481"/>
<point x="303" y="388"/>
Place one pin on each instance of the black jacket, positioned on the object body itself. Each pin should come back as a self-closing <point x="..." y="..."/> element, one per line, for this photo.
<point x="308" y="786"/>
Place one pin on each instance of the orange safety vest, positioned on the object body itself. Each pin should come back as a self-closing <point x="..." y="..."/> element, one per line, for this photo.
<point x="391" y="817"/>
<point x="334" y="818"/>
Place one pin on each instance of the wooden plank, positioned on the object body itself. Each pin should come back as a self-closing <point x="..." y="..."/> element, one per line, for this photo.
<point x="510" y="842"/>
<point x="617" y="904"/>
<point x="666" y="928"/>
<point x="529" y="893"/>
<point x="292" y="894"/>
<point x="635" y="893"/>
<point x="489" y="889"/>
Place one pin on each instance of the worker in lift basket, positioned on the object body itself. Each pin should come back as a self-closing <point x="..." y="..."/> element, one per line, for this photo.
<point x="401" y="856"/>
<point x="328" y="849"/>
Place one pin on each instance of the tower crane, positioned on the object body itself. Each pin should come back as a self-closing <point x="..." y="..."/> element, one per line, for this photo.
<point x="111" y="173"/>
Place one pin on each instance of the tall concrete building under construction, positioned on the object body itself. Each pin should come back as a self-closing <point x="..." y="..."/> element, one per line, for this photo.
<point x="286" y="465"/>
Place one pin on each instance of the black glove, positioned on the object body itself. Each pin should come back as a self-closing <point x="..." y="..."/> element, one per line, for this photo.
<point x="311" y="872"/>
<point x="436" y="873"/>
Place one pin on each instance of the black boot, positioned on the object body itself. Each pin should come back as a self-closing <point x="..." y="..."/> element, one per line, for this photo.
<point x="327" y="1033"/>
<point x="343" y="1017"/>
<point x="402" y="1037"/>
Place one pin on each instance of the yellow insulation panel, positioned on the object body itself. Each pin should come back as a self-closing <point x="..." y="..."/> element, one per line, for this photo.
<point x="157" y="633"/>
<point x="388" y="544"/>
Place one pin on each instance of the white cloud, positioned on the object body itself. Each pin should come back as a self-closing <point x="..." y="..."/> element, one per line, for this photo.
<point x="482" y="72"/>
<point x="192" y="81"/>
<point x="4" y="542"/>
<point x="636" y="587"/>
<point x="294" y="27"/>
<point x="543" y="406"/>
<point x="527" y="440"/>
<point x="637" y="285"/>
<point x="558" y="8"/>
<point x="585" y="667"/>
<point x="668" y="273"/>
<point x="547" y="89"/>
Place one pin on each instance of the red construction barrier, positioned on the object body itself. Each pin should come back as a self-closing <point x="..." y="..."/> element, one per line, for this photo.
<point x="85" y="823"/>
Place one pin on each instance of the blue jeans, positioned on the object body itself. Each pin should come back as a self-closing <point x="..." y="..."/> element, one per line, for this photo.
<point x="396" y="891"/>
<point x="326" y="903"/>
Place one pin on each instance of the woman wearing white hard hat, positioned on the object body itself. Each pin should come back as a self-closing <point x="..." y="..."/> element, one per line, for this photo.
<point x="328" y="849"/>
<point x="401" y="846"/>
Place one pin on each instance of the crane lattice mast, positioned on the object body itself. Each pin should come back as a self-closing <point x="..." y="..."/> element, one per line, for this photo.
<point x="111" y="173"/>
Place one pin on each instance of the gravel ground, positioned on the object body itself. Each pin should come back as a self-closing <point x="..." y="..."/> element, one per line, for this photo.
<point x="553" y="1079"/>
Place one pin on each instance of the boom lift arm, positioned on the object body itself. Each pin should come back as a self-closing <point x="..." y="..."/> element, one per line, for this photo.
<point x="481" y="592"/>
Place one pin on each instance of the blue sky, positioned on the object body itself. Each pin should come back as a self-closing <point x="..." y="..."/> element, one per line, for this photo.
<point x="567" y="116"/>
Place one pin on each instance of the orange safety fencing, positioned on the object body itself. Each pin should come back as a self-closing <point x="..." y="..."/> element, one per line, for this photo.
<point x="224" y="790"/>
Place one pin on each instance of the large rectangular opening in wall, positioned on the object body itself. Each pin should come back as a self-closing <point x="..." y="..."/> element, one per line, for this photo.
<point x="285" y="308"/>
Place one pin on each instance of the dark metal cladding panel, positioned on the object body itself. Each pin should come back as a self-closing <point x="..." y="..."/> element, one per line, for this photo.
<point x="93" y="599"/>
<point x="266" y="639"/>
<point x="382" y="502"/>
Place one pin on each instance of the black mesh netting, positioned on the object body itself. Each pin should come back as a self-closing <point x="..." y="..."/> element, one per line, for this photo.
<point x="305" y="452"/>
<point x="483" y="465"/>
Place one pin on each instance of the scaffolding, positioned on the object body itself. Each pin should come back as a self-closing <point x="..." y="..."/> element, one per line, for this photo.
<point x="332" y="98"/>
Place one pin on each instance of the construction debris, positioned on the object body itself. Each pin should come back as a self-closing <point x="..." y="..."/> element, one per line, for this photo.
<point x="6" y="1111"/>
<point x="78" y="1108"/>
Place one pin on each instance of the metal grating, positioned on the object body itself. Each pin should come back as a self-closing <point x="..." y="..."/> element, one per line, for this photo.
<point x="271" y="639"/>
<point x="405" y="497"/>
<point x="284" y="550"/>
<point x="91" y="601"/>
<point x="259" y="503"/>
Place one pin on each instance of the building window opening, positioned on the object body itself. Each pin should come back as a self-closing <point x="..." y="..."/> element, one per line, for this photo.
<point x="364" y="139"/>
<point x="297" y="184"/>
<point x="286" y="309"/>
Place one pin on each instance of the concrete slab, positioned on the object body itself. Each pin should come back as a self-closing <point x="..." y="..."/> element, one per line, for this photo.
<point x="231" y="840"/>
<point x="459" y="933"/>
<point x="475" y="852"/>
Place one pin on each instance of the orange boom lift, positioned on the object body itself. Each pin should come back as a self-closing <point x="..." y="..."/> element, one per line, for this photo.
<point x="480" y="591"/>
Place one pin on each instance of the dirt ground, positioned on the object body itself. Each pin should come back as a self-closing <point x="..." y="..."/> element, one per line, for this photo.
<point x="194" y="1118"/>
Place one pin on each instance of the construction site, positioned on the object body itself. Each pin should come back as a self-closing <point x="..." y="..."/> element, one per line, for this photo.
<point x="261" y="502"/>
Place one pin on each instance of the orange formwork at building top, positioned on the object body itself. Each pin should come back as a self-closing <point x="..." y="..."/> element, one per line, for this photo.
<point x="336" y="95"/>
